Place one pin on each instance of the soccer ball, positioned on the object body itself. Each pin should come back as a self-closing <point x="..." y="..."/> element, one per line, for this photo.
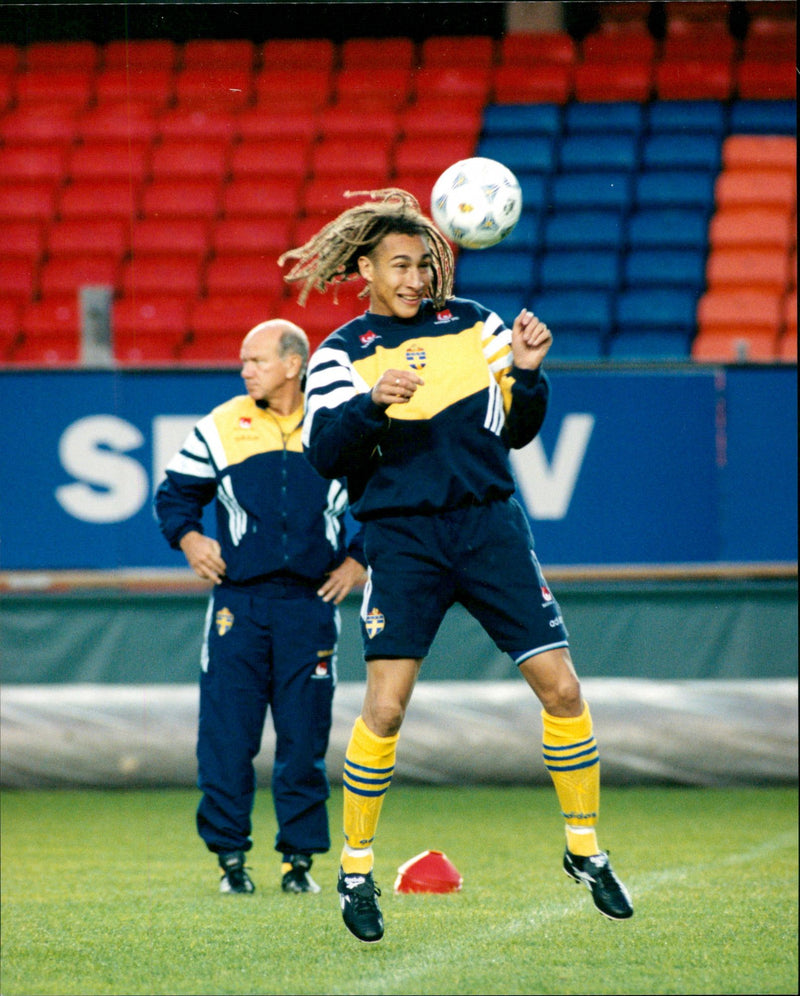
<point x="476" y="202"/>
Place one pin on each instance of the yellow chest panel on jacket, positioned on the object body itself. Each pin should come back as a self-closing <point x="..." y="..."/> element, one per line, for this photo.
<point x="246" y="430"/>
<point x="453" y="367"/>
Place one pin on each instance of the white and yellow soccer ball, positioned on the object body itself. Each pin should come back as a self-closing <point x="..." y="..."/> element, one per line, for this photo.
<point x="476" y="202"/>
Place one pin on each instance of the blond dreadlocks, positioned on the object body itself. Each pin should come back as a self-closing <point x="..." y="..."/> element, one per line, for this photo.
<point x="331" y="256"/>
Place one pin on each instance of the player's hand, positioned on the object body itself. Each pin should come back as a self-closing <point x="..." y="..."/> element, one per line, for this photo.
<point x="204" y="556"/>
<point x="530" y="340"/>
<point x="340" y="581"/>
<point x="396" y="387"/>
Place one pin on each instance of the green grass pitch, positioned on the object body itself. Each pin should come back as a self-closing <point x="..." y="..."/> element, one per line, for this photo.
<point x="111" y="892"/>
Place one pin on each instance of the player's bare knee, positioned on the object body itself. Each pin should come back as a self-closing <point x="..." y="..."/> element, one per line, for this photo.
<point x="384" y="718"/>
<point x="563" y="698"/>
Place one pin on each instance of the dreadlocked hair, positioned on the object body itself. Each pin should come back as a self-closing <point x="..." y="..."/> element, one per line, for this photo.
<point x="330" y="258"/>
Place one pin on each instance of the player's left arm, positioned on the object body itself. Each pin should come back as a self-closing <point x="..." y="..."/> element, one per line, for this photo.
<point x="530" y="389"/>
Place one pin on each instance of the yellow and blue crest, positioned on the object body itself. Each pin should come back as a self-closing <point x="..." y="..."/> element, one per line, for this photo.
<point x="374" y="622"/>
<point x="416" y="356"/>
<point x="223" y="620"/>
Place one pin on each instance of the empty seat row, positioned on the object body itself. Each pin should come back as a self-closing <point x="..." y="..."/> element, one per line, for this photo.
<point x="235" y="87"/>
<point x="612" y="41"/>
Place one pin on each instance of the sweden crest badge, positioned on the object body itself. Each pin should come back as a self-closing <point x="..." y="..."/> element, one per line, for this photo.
<point x="374" y="622"/>
<point x="223" y="621"/>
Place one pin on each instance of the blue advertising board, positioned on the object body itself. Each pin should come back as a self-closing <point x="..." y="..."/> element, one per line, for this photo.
<point x="632" y="466"/>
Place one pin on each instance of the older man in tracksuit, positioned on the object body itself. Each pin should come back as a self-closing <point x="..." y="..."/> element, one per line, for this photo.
<point x="280" y="566"/>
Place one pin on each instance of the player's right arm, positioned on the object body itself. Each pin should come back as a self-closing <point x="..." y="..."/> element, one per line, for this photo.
<point x="343" y="425"/>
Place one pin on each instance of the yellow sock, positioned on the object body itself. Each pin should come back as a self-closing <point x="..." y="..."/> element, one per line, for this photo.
<point x="570" y="755"/>
<point x="368" y="768"/>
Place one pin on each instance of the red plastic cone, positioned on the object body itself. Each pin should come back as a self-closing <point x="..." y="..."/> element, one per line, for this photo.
<point x="430" y="871"/>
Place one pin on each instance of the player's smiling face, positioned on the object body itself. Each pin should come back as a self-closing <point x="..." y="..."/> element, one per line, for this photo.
<point x="398" y="272"/>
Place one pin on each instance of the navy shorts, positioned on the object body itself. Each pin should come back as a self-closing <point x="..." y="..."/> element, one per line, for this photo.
<point x="480" y="556"/>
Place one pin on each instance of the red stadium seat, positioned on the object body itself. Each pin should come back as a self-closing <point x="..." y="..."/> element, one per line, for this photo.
<point x="325" y="195"/>
<point x="23" y="237"/>
<point x="536" y="49"/>
<point x="538" y="84"/>
<point x="10" y="56"/>
<point x="167" y="274"/>
<point x="347" y="121"/>
<point x="458" y="50"/>
<point x="108" y="160"/>
<point x="299" y="53"/>
<point x="10" y="325"/>
<point x="145" y="348"/>
<point x="609" y="81"/>
<point x="93" y="199"/>
<point x="59" y="55"/>
<point x="360" y="53"/>
<point x="275" y="157"/>
<point x="221" y="349"/>
<point x="193" y="159"/>
<point x="47" y="351"/>
<point x="308" y="225"/>
<point x="71" y="87"/>
<point x="769" y="38"/>
<point x="198" y="124"/>
<point x="160" y="314"/>
<point x="178" y="236"/>
<point x="152" y="84"/>
<point x="340" y="155"/>
<point x="65" y="275"/>
<point x="150" y="329"/>
<point x="443" y="82"/>
<point x="7" y="89"/>
<point x="417" y="155"/>
<point x="278" y="86"/>
<point x="118" y="121"/>
<point x="708" y="79"/>
<point x="18" y="278"/>
<point x="246" y="235"/>
<point x="40" y="161"/>
<point x="767" y="79"/>
<point x="261" y="198"/>
<point x="697" y="45"/>
<point x="157" y="53"/>
<point x="181" y="198"/>
<point x="31" y="200"/>
<point x="387" y="86"/>
<point x="267" y="123"/>
<point x="619" y="46"/>
<point x="246" y="273"/>
<point x="205" y="53"/>
<point x="26" y="124"/>
<point x="322" y="313"/>
<point x="428" y="122"/>
<point x="230" y="315"/>
<point x="219" y="87"/>
<point x="52" y="317"/>
<point x="81" y="236"/>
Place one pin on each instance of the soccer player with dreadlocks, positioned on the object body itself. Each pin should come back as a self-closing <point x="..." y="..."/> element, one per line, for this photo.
<point x="417" y="403"/>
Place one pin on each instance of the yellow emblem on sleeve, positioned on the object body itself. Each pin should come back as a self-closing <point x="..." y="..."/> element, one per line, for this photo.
<point x="224" y="621"/>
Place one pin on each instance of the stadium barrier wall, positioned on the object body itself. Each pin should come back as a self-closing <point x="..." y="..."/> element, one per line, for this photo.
<point x="633" y="465"/>
<point x="691" y="681"/>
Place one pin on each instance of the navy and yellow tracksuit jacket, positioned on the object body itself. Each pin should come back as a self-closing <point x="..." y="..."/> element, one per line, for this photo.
<point x="449" y="445"/>
<point x="275" y="515"/>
